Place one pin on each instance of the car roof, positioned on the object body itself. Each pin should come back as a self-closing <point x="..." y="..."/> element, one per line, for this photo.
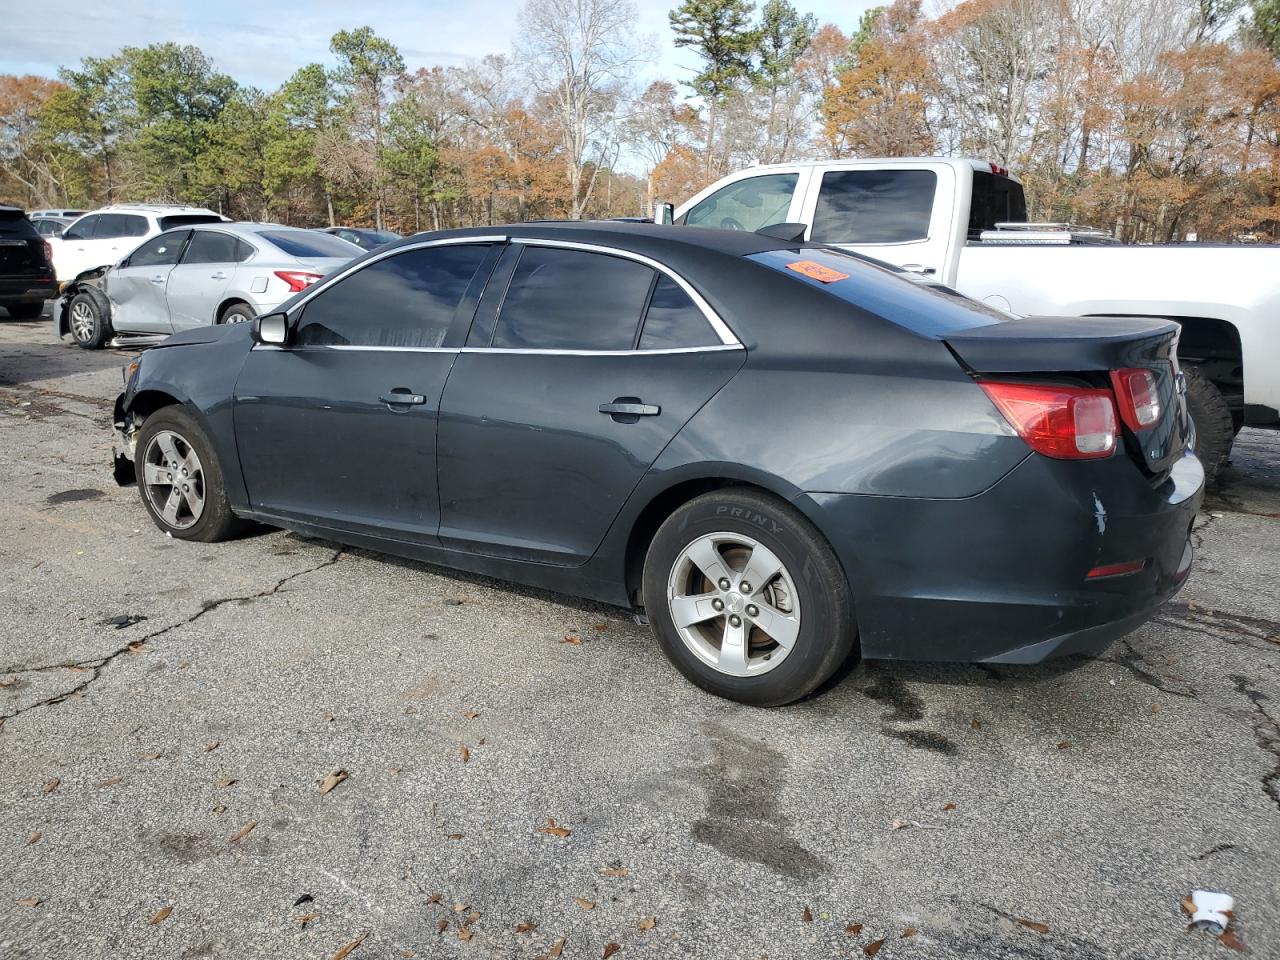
<point x="158" y="209"/>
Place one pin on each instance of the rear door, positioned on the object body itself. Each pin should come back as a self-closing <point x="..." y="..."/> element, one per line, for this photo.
<point x="137" y="287"/>
<point x="197" y="283"/>
<point x="562" y="401"/>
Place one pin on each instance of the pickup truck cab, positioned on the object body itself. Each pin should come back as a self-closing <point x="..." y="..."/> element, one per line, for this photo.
<point x="963" y="223"/>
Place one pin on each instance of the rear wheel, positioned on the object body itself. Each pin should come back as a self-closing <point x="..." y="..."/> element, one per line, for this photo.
<point x="1215" y="429"/>
<point x="236" y="313"/>
<point x="24" y="310"/>
<point x="747" y="599"/>
<point x="180" y="479"/>
<point x="88" y="321"/>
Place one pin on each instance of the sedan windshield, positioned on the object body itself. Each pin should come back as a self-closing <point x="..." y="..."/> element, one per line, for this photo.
<point x="307" y="243"/>
<point x="929" y="309"/>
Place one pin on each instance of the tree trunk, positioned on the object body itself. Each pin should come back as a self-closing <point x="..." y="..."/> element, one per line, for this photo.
<point x="328" y="202"/>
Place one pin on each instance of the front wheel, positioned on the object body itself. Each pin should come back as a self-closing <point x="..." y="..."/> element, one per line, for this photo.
<point x="87" y="318"/>
<point x="180" y="479"/>
<point x="747" y="599"/>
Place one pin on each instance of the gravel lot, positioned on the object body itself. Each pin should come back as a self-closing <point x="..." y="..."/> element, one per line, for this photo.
<point x="1089" y="797"/>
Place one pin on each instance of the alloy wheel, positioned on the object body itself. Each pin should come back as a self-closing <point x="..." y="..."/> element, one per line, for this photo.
<point x="174" y="479"/>
<point x="82" y="321"/>
<point x="734" y="604"/>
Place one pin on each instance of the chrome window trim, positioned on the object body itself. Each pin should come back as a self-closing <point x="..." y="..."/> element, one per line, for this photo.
<point x="361" y="348"/>
<point x="360" y="262"/>
<point x="721" y="329"/>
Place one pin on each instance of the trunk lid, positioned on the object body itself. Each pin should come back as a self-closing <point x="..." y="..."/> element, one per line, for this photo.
<point x="1090" y="347"/>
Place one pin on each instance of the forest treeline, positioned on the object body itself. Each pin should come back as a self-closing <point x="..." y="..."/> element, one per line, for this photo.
<point x="1153" y="118"/>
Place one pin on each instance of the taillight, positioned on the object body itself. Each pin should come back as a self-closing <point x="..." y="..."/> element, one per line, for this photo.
<point x="1139" y="399"/>
<point x="298" y="279"/>
<point x="1069" y="423"/>
<point x="48" y="251"/>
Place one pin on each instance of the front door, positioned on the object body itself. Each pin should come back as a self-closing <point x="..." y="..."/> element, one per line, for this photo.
<point x="555" y="411"/>
<point x="338" y="427"/>
<point x="137" y="287"/>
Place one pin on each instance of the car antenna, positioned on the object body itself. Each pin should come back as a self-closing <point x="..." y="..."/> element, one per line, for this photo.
<point x="790" y="232"/>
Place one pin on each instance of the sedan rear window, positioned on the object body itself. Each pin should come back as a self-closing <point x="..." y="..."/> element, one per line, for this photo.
<point x="920" y="306"/>
<point x="307" y="243"/>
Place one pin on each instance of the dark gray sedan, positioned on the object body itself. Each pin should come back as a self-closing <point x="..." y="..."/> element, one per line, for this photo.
<point x="782" y="454"/>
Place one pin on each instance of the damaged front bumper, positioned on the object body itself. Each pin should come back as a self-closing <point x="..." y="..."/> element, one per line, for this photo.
<point x="124" y="435"/>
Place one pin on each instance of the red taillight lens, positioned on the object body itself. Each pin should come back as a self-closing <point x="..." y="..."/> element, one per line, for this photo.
<point x="1116" y="570"/>
<point x="298" y="279"/>
<point x="1138" y="396"/>
<point x="1069" y="423"/>
<point x="48" y="251"/>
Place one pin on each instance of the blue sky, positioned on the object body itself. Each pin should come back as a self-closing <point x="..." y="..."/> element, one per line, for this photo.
<point x="263" y="42"/>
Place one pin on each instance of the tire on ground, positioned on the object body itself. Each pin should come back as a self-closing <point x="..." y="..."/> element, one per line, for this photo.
<point x="24" y="310"/>
<point x="1215" y="430"/>
<point x="828" y="630"/>
<point x="236" y="313"/>
<point x="99" y="331"/>
<point x="216" y="522"/>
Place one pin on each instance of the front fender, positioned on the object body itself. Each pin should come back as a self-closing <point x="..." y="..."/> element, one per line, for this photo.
<point x="92" y="282"/>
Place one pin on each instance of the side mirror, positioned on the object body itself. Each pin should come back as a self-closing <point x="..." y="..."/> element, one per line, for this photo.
<point x="271" y="329"/>
<point x="664" y="213"/>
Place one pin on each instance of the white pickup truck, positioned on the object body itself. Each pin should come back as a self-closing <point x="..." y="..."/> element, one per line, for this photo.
<point x="963" y="223"/>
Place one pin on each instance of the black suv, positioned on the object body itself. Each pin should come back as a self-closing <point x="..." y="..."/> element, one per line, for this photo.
<point x="26" y="267"/>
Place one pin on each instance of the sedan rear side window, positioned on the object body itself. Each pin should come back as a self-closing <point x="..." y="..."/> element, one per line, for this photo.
<point x="572" y="300"/>
<point x="307" y="243"/>
<point x="673" y="320"/>
<point x="405" y="300"/>
<point x="211" y="246"/>
<point x="874" y="206"/>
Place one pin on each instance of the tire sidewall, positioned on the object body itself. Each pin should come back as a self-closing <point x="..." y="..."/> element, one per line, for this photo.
<point x="243" y="310"/>
<point x="99" y="335"/>
<point x="215" y="519"/>
<point x="827" y="628"/>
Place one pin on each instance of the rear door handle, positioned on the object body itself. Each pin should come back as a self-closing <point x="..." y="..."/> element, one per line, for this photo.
<point x="218" y="276"/>
<point x="159" y="279"/>
<point x="628" y="407"/>
<point x="401" y="397"/>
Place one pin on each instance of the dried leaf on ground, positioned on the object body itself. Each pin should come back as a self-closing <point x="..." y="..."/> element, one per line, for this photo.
<point x="609" y="950"/>
<point x="909" y="932"/>
<point x="853" y="929"/>
<point x="51" y="786"/>
<point x="1155" y="708"/>
<point x="455" y="836"/>
<point x="225" y="782"/>
<point x="30" y="902"/>
<point x="109" y="782"/>
<point x="332" y="780"/>
<point x="613" y="871"/>
<point x="1064" y="744"/>
<point x="243" y="831"/>
<point x="464" y="934"/>
<point x="975" y="723"/>
<point x="304" y="898"/>
<point x="34" y="838"/>
<point x="305" y="918"/>
<point x="647" y="923"/>
<point x="327" y="717"/>
<point x="1035" y="925"/>
<point x="219" y="809"/>
<point x="151" y="756"/>
<point x="526" y="926"/>
<point x="584" y="904"/>
<point x="1188" y="905"/>
<point x="912" y="825"/>
<point x="601" y="627"/>
<point x="471" y="714"/>
<point x="344" y="952"/>
<point x="552" y="830"/>
<point x="459" y="908"/>
<point x="557" y="948"/>
<point x="472" y="917"/>
<point x="807" y="916"/>
<point x="464" y="753"/>
<point x="948" y="806"/>
<point x="442" y="925"/>
<point x="1229" y="939"/>
<point x="572" y="640"/>
<point x="139" y="647"/>
<point x="435" y="898"/>
<point x="161" y="914"/>
<point x="872" y="948"/>
<point x="211" y="746"/>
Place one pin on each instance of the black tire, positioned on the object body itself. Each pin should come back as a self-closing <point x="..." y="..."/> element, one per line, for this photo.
<point x="827" y="628"/>
<point x="98" y="330"/>
<point x="1215" y="429"/>
<point x="24" y="311"/>
<point x="236" y="313"/>
<point x="216" y="521"/>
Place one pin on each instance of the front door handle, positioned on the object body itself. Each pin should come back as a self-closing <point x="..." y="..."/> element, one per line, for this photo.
<point x="401" y="397"/>
<point x="157" y="279"/>
<point x="629" y="409"/>
<point x="218" y="276"/>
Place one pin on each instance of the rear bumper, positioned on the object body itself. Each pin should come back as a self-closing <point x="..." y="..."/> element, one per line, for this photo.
<point x="1002" y="577"/>
<point x="27" y="289"/>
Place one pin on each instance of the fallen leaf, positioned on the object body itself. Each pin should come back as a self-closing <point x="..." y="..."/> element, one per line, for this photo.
<point x="407" y="953"/>
<point x="243" y="831"/>
<point x="109" y="782"/>
<point x="219" y="810"/>
<point x="853" y="929"/>
<point x="435" y="898"/>
<point x="345" y="952"/>
<point x="480" y="742"/>
<point x="584" y="904"/>
<point x="459" y="907"/>
<point x="472" y="917"/>
<point x="976" y="724"/>
<point x="464" y="753"/>
<point x="609" y="950"/>
<point x="552" y="829"/>
<point x="647" y="923"/>
<point x="395" y="771"/>
<point x="332" y="780"/>
<point x="807" y="916"/>
<point x="464" y="934"/>
<point x="557" y="948"/>
<point x="613" y="871"/>
<point x="305" y="918"/>
<point x="1229" y="939"/>
<point x="327" y="717"/>
<point x="161" y="914"/>
<point x="30" y="902"/>
<point x="948" y="806"/>
<point x="572" y="640"/>
<point x="454" y="836"/>
<point x="211" y="746"/>
<point x="305" y="898"/>
<point x="601" y="627"/>
<point x="226" y="782"/>
<point x="526" y="926"/>
<point x="138" y="647"/>
<point x="909" y="932"/>
<point x="872" y="948"/>
<point x="442" y="925"/>
<point x="151" y="756"/>
<point x="912" y="825"/>
<point x="1064" y="744"/>
<point x="1035" y="925"/>
<point x="1188" y="905"/>
<point x="471" y="714"/>
<point x="1155" y="708"/>
<point x="51" y="786"/>
<point x="410" y="710"/>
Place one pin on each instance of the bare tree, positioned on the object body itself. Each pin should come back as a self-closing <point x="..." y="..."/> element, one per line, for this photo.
<point x="579" y="54"/>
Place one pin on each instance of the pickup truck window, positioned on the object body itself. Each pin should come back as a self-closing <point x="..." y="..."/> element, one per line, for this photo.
<point x="874" y="206"/>
<point x="921" y="307"/>
<point x="746" y="204"/>
<point x="995" y="200"/>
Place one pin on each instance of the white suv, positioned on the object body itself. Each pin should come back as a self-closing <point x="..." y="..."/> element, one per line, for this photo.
<point x="103" y="237"/>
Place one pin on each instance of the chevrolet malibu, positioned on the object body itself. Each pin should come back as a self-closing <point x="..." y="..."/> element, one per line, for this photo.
<point x="783" y="455"/>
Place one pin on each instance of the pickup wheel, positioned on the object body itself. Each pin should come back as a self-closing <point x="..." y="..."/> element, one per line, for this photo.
<point x="1215" y="430"/>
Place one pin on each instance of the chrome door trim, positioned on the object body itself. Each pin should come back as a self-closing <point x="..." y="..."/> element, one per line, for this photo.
<point x="359" y="348"/>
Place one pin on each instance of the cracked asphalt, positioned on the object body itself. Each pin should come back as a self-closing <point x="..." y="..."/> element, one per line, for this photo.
<point x="160" y="699"/>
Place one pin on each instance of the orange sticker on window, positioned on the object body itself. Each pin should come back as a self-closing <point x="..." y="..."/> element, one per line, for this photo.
<point x="816" y="271"/>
